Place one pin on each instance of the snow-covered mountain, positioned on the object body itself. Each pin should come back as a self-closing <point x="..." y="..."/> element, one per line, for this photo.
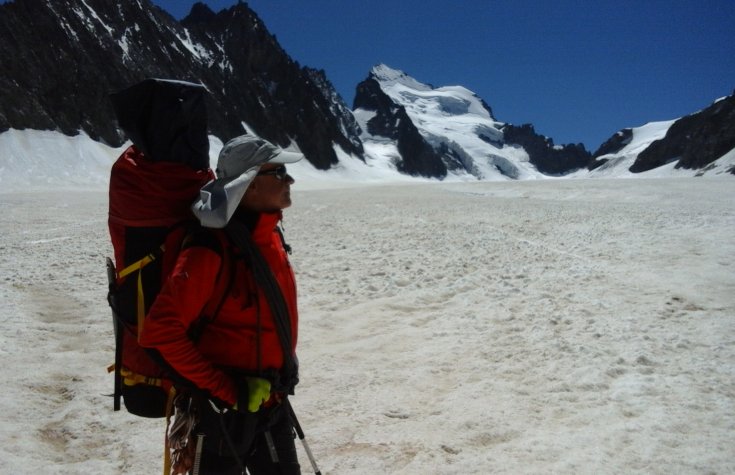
<point x="454" y="131"/>
<point x="455" y="123"/>
<point x="457" y="126"/>
<point x="54" y="104"/>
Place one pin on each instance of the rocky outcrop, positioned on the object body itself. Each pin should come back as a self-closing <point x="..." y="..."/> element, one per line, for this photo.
<point x="548" y="158"/>
<point x="695" y="140"/>
<point x="612" y="145"/>
<point x="615" y="143"/>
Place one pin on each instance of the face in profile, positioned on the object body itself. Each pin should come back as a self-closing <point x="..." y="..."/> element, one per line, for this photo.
<point x="270" y="191"/>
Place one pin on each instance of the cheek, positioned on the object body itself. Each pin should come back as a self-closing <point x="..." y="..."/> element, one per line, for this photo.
<point x="286" y="198"/>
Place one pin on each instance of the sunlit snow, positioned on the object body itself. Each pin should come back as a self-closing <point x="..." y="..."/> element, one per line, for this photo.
<point x="542" y="326"/>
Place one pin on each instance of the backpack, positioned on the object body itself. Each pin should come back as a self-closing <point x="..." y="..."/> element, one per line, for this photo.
<point x="152" y="187"/>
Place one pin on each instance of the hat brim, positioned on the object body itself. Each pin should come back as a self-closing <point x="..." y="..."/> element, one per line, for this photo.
<point x="286" y="156"/>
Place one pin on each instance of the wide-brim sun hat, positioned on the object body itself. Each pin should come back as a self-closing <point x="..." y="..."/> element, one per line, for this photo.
<point x="237" y="165"/>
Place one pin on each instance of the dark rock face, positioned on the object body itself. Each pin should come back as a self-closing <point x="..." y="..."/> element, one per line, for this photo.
<point x="334" y="105"/>
<point x="613" y="145"/>
<point x="60" y="60"/>
<point x="695" y="140"/>
<point x="392" y="121"/>
<point x="543" y="154"/>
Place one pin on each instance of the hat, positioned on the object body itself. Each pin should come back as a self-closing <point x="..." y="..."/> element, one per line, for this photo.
<point x="237" y="165"/>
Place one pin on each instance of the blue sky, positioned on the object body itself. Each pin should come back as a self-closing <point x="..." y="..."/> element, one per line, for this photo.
<point x="579" y="71"/>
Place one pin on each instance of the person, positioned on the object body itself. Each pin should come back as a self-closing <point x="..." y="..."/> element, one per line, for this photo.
<point x="235" y="370"/>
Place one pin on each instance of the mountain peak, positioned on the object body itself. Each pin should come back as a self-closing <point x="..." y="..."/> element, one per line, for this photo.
<point x="200" y="13"/>
<point x="388" y="76"/>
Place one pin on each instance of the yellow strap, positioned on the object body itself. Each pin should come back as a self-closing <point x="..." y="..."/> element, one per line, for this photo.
<point x="138" y="266"/>
<point x="131" y="378"/>
<point x="141" y="305"/>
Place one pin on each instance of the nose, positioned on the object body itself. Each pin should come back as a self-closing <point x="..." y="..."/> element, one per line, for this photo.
<point x="289" y="179"/>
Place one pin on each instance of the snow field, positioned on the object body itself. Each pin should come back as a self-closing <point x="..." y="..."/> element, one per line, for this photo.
<point x="556" y="326"/>
<point x="521" y="328"/>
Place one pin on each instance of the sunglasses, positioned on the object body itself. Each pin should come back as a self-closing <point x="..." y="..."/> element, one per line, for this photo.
<point x="279" y="172"/>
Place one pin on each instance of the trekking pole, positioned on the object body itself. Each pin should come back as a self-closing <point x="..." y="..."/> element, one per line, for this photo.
<point x="301" y="435"/>
<point x="198" y="455"/>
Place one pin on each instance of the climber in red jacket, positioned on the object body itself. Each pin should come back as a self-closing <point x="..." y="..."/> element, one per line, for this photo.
<point x="235" y="369"/>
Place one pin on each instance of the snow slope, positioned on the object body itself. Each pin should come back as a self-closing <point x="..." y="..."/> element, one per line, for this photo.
<point x="555" y="326"/>
<point x="34" y="159"/>
<point x="41" y="160"/>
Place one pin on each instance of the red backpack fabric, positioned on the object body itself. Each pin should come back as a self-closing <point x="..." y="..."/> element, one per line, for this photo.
<point x="152" y="187"/>
<point x="149" y="216"/>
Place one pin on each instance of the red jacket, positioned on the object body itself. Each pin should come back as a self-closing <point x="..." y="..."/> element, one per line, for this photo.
<point x="231" y="340"/>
